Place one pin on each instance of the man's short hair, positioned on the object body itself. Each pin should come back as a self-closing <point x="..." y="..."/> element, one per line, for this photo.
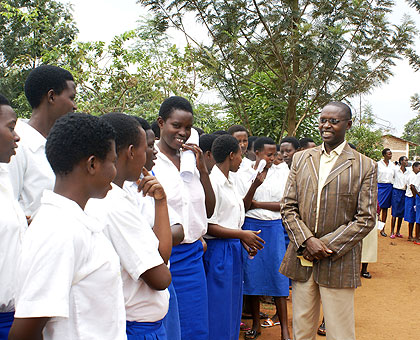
<point x="206" y="141"/>
<point x="223" y="146"/>
<point x="278" y="147"/>
<point x="261" y="141"/>
<point x="174" y="103"/>
<point x="237" y="128"/>
<point x="4" y="100"/>
<point x="416" y="164"/>
<point x="143" y="122"/>
<point x="45" y="78"/>
<point x="305" y="141"/>
<point x="291" y="140"/>
<point x="156" y="129"/>
<point x="384" y="151"/>
<point x="401" y="159"/>
<point x="344" y="107"/>
<point x="126" y="129"/>
<point x="77" y="136"/>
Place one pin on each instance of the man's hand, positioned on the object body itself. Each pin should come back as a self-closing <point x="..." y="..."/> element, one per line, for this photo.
<point x="151" y="186"/>
<point x="315" y="250"/>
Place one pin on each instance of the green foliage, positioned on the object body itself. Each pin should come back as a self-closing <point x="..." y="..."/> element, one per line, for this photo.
<point x="412" y="128"/>
<point x="29" y="29"/>
<point x="280" y="60"/>
<point x="363" y="135"/>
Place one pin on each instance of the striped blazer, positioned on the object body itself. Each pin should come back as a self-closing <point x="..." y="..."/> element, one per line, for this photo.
<point x="347" y="213"/>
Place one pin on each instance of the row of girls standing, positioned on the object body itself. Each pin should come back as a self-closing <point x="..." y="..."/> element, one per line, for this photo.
<point x="398" y="189"/>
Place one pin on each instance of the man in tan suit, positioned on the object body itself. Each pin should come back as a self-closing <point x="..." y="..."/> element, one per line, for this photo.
<point x="329" y="206"/>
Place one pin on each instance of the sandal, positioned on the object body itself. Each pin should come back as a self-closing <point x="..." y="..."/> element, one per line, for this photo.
<point x="399" y="235"/>
<point x="252" y="334"/>
<point x="244" y="327"/>
<point x="383" y="233"/>
<point x="269" y="323"/>
<point x="366" y="275"/>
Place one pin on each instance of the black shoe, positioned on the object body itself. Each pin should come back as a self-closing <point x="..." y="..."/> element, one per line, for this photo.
<point x="366" y="275"/>
<point x="383" y="233"/>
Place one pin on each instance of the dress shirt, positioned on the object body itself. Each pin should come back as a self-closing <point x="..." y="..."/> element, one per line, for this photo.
<point x="271" y="190"/>
<point x="138" y="249"/>
<point x="326" y="163"/>
<point x="411" y="179"/>
<point x="229" y="211"/>
<point x="400" y="178"/>
<point x="29" y="170"/>
<point x="12" y="227"/>
<point x="385" y="172"/>
<point x="70" y="272"/>
<point x="186" y="199"/>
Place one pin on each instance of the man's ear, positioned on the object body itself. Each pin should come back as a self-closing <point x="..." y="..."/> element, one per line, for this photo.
<point x="231" y="155"/>
<point x="349" y="124"/>
<point x="130" y="152"/>
<point x="207" y="154"/>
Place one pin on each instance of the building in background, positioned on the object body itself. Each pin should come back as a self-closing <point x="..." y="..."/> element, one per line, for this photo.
<point x="399" y="147"/>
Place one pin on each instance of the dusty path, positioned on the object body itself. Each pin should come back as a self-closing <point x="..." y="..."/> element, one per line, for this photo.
<point x="388" y="305"/>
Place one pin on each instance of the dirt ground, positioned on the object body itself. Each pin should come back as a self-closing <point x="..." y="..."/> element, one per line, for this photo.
<point x="386" y="306"/>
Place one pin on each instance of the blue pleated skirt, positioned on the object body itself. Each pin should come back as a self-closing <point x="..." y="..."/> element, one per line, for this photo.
<point x="261" y="274"/>
<point x="6" y="320"/>
<point x="398" y="202"/>
<point x="190" y="285"/>
<point x="171" y="320"/>
<point x="224" y="272"/>
<point x="409" y="212"/>
<point x="384" y="195"/>
<point x="146" y="330"/>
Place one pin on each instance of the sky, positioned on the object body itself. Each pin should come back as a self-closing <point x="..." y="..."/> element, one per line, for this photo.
<point x="390" y="102"/>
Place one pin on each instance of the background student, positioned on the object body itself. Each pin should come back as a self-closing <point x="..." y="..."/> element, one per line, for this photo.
<point x="12" y="219"/>
<point x="144" y="253"/>
<point x="410" y="200"/>
<point x="261" y="275"/>
<point x="385" y="184"/>
<point x="50" y="90"/>
<point x="398" y="195"/>
<point x="223" y="258"/>
<point x="69" y="280"/>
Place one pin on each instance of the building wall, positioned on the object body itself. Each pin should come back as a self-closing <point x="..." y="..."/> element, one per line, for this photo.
<point x="398" y="147"/>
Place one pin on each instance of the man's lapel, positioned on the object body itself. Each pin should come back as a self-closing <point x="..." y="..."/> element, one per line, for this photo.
<point x="313" y="165"/>
<point x="342" y="163"/>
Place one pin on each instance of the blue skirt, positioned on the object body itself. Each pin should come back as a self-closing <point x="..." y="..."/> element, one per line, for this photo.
<point x="398" y="203"/>
<point x="417" y="209"/>
<point x="190" y="285"/>
<point x="261" y="274"/>
<point x="6" y="320"/>
<point x="224" y="272"/>
<point x="409" y="212"/>
<point x="384" y="195"/>
<point x="146" y="330"/>
<point x="171" y="320"/>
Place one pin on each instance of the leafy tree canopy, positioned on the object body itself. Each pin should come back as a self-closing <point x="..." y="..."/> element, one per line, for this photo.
<point x="301" y="54"/>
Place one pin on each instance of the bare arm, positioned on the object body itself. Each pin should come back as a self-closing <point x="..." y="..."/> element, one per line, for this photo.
<point x="249" y="237"/>
<point x="210" y="199"/>
<point x="177" y="234"/>
<point x="157" y="278"/>
<point x="272" y="206"/>
<point x="27" y="328"/>
<point x="254" y="186"/>
<point x="151" y="186"/>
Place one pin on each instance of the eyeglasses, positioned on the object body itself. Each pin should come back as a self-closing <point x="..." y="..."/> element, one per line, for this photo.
<point x="332" y="121"/>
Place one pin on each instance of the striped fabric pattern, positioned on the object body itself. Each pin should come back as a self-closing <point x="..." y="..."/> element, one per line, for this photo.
<point x="347" y="213"/>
